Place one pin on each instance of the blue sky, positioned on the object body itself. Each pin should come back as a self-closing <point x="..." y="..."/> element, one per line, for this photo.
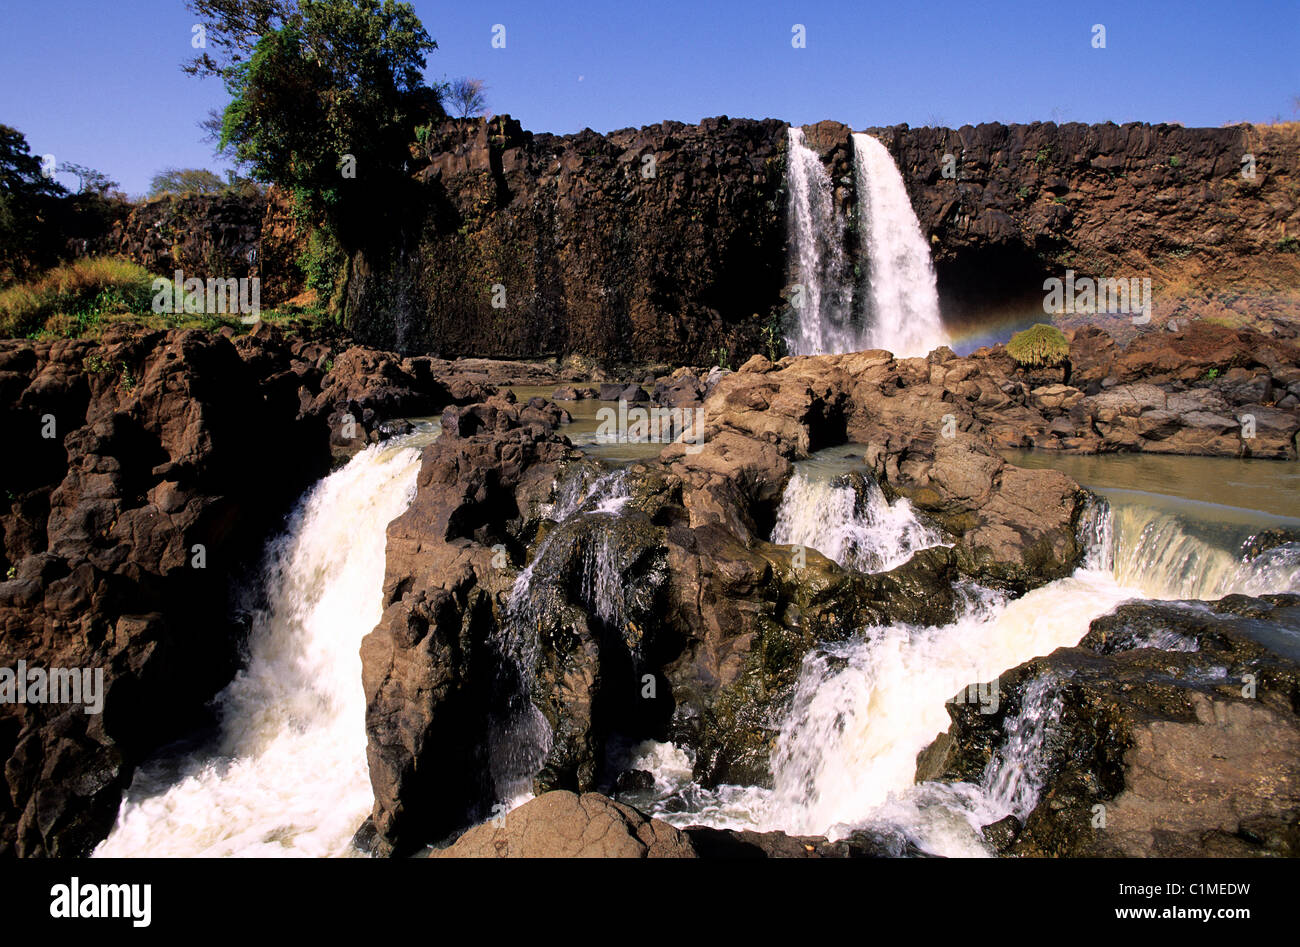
<point x="99" y="83"/>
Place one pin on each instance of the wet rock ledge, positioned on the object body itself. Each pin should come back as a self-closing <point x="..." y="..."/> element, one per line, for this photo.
<point x="512" y="585"/>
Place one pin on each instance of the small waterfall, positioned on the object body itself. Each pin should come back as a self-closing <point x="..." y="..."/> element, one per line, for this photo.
<point x="864" y="709"/>
<point x="522" y="738"/>
<point x="1167" y="557"/>
<point x="1014" y="775"/>
<point x="288" y="773"/>
<point x="904" y="308"/>
<point x="864" y="532"/>
<point x="823" y="308"/>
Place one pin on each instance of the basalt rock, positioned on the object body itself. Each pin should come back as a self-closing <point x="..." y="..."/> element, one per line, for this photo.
<point x="1178" y="735"/>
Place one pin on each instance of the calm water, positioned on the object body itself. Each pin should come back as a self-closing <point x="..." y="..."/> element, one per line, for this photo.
<point x="1229" y="489"/>
<point x="587" y="422"/>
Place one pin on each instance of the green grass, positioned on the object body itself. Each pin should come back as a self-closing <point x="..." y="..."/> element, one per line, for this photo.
<point x="79" y="299"/>
<point x="73" y="298"/>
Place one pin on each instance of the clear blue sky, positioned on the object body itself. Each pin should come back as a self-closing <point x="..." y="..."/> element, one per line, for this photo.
<point x="98" y="82"/>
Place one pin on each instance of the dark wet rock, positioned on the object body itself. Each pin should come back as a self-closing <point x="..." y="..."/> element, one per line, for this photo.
<point x="1001" y="834"/>
<point x="1178" y="734"/>
<point x="634" y="781"/>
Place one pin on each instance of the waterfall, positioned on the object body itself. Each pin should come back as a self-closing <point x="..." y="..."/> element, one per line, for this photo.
<point x="522" y="738"/>
<point x="863" y="709"/>
<point x="1014" y="774"/>
<point x="1165" y="556"/>
<point x="863" y="532"/>
<point x="904" y="296"/>
<point x="899" y="304"/>
<point x="823" y="308"/>
<point x="287" y="774"/>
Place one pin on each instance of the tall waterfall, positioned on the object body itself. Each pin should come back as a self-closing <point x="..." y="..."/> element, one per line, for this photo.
<point x="897" y="302"/>
<point x="904" y="311"/>
<point x="287" y="774"/>
<point x="823" y="305"/>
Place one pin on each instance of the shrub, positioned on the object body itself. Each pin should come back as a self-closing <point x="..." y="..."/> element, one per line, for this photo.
<point x="74" y="295"/>
<point x="1039" y="346"/>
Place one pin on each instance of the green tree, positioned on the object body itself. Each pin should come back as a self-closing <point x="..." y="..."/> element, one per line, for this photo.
<point x="90" y="181"/>
<point x="325" y="98"/>
<point x="26" y="195"/>
<point x="185" y="181"/>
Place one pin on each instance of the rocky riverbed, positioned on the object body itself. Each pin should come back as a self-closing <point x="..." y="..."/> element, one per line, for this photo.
<point x="541" y="609"/>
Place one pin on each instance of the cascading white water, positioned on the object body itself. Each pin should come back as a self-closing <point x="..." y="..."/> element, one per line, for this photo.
<point x="521" y="740"/>
<point x="901" y="310"/>
<point x="1014" y="774"/>
<point x="288" y="774"/>
<point x="868" y="533"/>
<point x="863" y="709"/>
<point x="1154" y="550"/>
<point x="904" y="311"/>
<point x="823" y="311"/>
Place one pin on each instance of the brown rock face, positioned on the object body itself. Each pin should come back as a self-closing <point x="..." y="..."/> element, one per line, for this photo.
<point x="674" y="617"/>
<point x="1205" y="389"/>
<point x="567" y="825"/>
<point x="660" y="242"/>
<point x="145" y="473"/>
<point x="224" y="236"/>
<point x="1156" y="201"/>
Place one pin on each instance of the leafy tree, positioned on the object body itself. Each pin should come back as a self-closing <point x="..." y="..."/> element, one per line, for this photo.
<point x="325" y="98"/>
<point x="90" y="181"/>
<point x="467" y="97"/>
<point x="232" y="29"/>
<point x="26" y="195"/>
<point x="185" y="181"/>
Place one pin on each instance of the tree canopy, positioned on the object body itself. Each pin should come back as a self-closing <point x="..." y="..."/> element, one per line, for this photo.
<point x="185" y="181"/>
<point x="325" y="97"/>
<point x="25" y="192"/>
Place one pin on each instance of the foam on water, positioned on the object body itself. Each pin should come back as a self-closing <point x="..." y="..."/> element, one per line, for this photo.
<point x="287" y="774"/>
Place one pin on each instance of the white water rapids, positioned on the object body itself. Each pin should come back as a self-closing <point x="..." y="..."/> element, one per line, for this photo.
<point x="287" y="774"/>
<point x="894" y="292"/>
<point x="863" y="709"/>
